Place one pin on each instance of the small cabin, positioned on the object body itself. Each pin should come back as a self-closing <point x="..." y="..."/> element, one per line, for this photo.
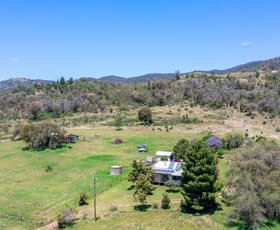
<point x="160" y="155"/>
<point x="71" y="138"/>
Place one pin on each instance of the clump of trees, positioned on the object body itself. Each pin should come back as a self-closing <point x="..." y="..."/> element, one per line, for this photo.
<point x="199" y="179"/>
<point x="145" y="115"/>
<point x="253" y="186"/>
<point x="233" y="140"/>
<point x="42" y="135"/>
<point x="142" y="176"/>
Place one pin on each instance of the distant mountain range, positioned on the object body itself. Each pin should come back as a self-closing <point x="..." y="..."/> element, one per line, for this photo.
<point x="143" y="78"/>
<point x="12" y="83"/>
<point x="265" y="65"/>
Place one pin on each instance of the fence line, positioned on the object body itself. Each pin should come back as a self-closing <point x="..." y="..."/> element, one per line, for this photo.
<point x="22" y="219"/>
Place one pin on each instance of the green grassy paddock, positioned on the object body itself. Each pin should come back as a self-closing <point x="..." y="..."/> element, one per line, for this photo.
<point x="36" y="195"/>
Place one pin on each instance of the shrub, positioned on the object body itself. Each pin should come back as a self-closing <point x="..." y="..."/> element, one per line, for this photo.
<point x="186" y="120"/>
<point x="220" y="152"/>
<point x="233" y="140"/>
<point x="260" y="138"/>
<point x="117" y="141"/>
<point x="66" y="218"/>
<point x="165" y="201"/>
<point x="155" y="206"/>
<point x="172" y="183"/>
<point x="173" y="186"/>
<point x="113" y="208"/>
<point x="205" y="137"/>
<point x="49" y="168"/>
<point x="83" y="199"/>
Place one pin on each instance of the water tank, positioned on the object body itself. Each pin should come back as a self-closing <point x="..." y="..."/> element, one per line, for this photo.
<point x="116" y="170"/>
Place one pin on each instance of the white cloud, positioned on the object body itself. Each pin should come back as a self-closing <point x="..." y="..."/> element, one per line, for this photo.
<point x="246" y="43"/>
<point x="13" y="59"/>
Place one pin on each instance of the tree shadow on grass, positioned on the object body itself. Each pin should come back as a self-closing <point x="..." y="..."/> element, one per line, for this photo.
<point x="172" y="190"/>
<point x="142" y="207"/>
<point x="209" y="211"/>
<point x="131" y="187"/>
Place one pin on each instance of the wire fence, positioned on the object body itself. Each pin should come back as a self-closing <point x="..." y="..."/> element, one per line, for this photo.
<point x="21" y="219"/>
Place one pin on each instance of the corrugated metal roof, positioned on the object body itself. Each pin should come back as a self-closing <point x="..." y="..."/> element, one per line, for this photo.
<point x="163" y="153"/>
<point x="168" y="167"/>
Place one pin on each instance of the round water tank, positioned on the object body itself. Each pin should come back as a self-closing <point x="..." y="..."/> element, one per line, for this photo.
<point x="116" y="170"/>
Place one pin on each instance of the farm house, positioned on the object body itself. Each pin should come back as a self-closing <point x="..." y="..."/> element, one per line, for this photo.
<point x="166" y="171"/>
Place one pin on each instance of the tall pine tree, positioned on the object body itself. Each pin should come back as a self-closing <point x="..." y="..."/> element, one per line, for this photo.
<point x="198" y="180"/>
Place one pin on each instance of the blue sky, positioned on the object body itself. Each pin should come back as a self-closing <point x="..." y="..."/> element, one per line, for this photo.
<point x="52" y="38"/>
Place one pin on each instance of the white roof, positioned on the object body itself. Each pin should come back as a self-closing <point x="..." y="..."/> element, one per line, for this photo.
<point x="168" y="168"/>
<point x="163" y="153"/>
<point x="177" y="173"/>
<point x="161" y="165"/>
<point x="171" y="165"/>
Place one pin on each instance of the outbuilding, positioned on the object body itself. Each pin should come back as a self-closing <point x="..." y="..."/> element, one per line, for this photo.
<point x="164" y="155"/>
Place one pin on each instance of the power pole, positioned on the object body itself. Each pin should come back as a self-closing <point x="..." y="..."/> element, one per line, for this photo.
<point x="94" y="199"/>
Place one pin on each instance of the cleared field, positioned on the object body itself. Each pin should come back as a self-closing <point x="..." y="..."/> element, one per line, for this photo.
<point x="36" y="195"/>
<point x="31" y="193"/>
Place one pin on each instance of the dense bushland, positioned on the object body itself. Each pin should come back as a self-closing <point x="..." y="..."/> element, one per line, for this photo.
<point x="253" y="187"/>
<point x="247" y="94"/>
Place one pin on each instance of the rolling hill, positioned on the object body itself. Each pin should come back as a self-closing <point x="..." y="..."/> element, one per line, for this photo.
<point x="12" y="83"/>
<point x="266" y="66"/>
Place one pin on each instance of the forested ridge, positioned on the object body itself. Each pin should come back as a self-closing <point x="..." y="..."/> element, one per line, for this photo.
<point x="246" y="92"/>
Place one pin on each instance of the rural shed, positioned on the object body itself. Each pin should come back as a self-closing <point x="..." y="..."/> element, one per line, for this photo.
<point x="164" y="154"/>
